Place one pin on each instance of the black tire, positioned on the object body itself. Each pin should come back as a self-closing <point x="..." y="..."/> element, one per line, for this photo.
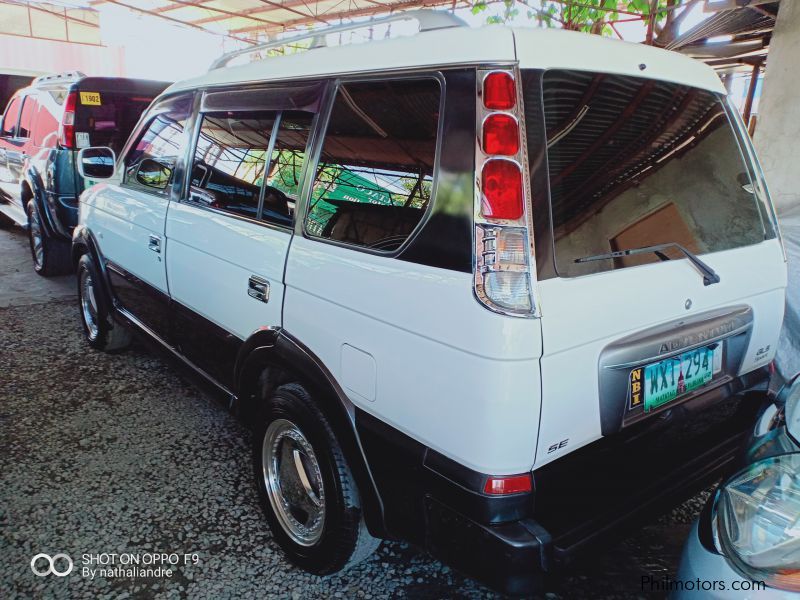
<point x="50" y="256"/>
<point x="103" y="333"/>
<point x="343" y="539"/>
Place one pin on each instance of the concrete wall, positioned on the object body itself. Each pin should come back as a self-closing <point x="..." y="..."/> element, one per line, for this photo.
<point x="709" y="170"/>
<point x="777" y="136"/>
<point x="777" y="140"/>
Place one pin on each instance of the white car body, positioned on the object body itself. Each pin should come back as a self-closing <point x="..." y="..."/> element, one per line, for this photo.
<point x="408" y="343"/>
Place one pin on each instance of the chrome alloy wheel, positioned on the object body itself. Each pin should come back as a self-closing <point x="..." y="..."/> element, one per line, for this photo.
<point x="293" y="481"/>
<point x="89" y="304"/>
<point x="37" y="243"/>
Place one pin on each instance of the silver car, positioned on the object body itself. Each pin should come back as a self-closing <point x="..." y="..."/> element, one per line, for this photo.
<point x="746" y="542"/>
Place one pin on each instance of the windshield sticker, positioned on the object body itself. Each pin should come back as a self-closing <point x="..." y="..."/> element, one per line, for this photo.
<point x="82" y="139"/>
<point x="90" y="98"/>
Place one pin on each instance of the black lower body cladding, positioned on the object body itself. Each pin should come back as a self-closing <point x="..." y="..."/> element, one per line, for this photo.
<point x="591" y="496"/>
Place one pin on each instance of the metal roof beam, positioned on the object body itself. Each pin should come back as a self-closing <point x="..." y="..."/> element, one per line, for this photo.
<point x="289" y="4"/>
<point x="173" y="20"/>
<point x="277" y="5"/>
<point x="225" y="13"/>
<point x="346" y="14"/>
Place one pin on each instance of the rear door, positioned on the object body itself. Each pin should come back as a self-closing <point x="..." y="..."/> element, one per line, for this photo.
<point x="128" y="218"/>
<point x="229" y="235"/>
<point x="632" y="162"/>
<point x="12" y="146"/>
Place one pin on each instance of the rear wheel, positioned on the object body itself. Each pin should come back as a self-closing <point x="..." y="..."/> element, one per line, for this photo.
<point x="306" y="487"/>
<point x="50" y="256"/>
<point x="99" y="328"/>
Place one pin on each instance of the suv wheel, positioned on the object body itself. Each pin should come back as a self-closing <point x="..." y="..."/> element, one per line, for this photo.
<point x="100" y="330"/>
<point x="50" y="256"/>
<point x="305" y="486"/>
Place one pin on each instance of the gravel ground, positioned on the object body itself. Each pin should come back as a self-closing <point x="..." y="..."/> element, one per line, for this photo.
<point x="126" y="454"/>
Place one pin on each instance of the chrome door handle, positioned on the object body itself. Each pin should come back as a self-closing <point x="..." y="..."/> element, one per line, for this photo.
<point x="258" y="288"/>
<point x="154" y="244"/>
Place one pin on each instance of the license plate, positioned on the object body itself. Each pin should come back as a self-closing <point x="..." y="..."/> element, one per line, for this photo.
<point x="658" y="383"/>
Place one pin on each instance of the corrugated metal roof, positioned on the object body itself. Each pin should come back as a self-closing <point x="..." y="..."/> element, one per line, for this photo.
<point x="257" y="19"/>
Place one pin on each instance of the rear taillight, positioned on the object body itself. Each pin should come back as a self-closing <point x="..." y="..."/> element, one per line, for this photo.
<point x="508" y="484"/>
<point x="503" y="251"/>
<point x="500" y="135"/>
<point x="499" y="91"/>
<point x="66" y="131"/>
<point x="502" y="196"/>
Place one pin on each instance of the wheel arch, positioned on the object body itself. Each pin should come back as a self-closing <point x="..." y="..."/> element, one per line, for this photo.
<point x="287" y="359"/>
<point x="32" y="188"/>
<point x="84" y="242"/>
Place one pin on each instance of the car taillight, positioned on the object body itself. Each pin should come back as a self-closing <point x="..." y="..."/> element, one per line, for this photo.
<point x="499" y="91"/>
<point x="503" y="251"/>
<point x="501" y="182"/>
<point x="66" y="131"/>
<point x="500" y="135"/>
<point x="508" y="484"/>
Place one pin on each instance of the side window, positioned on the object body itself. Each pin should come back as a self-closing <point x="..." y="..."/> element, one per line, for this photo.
<point x="229" y="159"/>
<point x="11" y="117"/>
<point x="232" y="171"/>
<point x="286" y="164"/>
<point x="150" y="162"/>
<point x="27" y="117"/>
<point x="373" y="182"/>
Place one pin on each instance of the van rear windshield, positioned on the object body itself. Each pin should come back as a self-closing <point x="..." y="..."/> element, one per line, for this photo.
<point x="636" y="162"/>
<point x="107" y="118"/>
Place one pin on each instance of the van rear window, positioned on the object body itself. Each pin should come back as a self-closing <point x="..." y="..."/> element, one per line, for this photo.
<point x="107" y="118"/>
<point x="637" y="162"/>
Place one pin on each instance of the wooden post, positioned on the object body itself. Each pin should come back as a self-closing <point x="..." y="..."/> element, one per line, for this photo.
<point x="751" y="94"/>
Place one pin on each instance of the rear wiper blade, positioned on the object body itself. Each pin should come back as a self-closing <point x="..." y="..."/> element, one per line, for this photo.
<point x="709" y="275"/>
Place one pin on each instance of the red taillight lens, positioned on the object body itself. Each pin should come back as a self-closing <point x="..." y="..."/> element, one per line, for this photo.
<point x="499" y="91"/>
<point x="501" y="183"/>
<point x="500" y="135"/>
<point x="512" y="484"/>
<point x="66" y="131"/>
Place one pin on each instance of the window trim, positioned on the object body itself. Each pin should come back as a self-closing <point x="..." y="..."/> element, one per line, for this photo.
<point x="754" y="171"/>
<point x="133" y="139"/>
<point x="198" y="115"/>
<point x="319" y="142"/>
<point x="13" y="134"/>
<point x="28" y="98"/>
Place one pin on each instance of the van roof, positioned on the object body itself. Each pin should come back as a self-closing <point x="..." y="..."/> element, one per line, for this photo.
<point x="534" y="48"/>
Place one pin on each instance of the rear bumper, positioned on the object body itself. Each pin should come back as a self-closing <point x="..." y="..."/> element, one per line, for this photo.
<point x="594" y="495"/>
<point x="513" y="557"/>
<point x="509" y="557"/>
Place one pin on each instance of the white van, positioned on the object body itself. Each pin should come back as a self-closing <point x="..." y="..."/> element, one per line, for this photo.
<point x="497" y="292"/>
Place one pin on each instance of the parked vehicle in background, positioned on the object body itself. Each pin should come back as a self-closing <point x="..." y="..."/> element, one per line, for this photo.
<point x="746" y="543"/>
<point x="43" y="128"/>
<point x="454" y="283"/>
